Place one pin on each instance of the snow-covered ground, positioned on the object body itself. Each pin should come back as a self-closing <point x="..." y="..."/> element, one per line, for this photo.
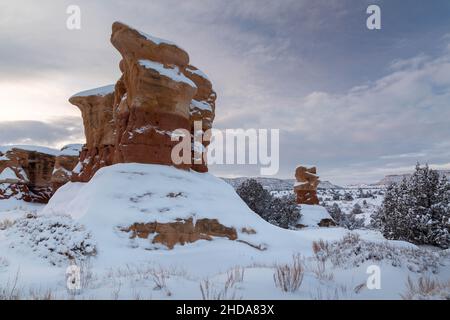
<point x="85" y="220"/>
<point x="347" y="197"/>
<point x="368" y="198"/>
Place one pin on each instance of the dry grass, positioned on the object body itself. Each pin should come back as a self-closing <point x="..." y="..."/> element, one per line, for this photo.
<point x="159" y="277"/>
<point x="209" y="291"/>
<point x="3" y="262"/>
<point x="289" y="277"/>
<point x="234" y="276"/>
<point x="426" y="288"/>
<point x="10" y="291"/>
<point x="318" y="268"/>
<point x="323" y="293"/>
<point x="320" y="246"/>
<point x="5" y="224"/>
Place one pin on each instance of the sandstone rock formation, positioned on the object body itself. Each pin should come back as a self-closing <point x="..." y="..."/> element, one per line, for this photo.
<point x="26" y="172"/>
<point x="157" y="93"/>
<point x="33" y="173"/>
<point x="306" y="185"/>
<point x="181" y="231"/>
<point x="96" y="108"/>
<point x="202" y="113"/>
<point x="65" y="162"/>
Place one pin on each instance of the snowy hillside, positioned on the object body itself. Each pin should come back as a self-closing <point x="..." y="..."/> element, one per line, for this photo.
<point x="86" y="221"/>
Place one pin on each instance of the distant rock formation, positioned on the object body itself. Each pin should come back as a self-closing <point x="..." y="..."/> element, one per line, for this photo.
<point x="32" y="173"/>
<point x="306" y="185"/>
<point x="26" y="172"/>
<point x="134" y="120"/>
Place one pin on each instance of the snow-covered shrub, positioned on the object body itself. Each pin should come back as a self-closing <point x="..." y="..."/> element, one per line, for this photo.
<point x="283" y="212"/>
<point x="348" y="221"/>
<point x="254" y="195"/>
<point x="417" y="209"/>
<point x="55" y="238"/>
<point x="357" y="209"/>
<point x="280" y="211"/>
<point x="426" y="289"/>
<point x="364" y="194"/>
<point x="289" y="277"/>
<point x="348" y="196"/>
<point x="351" y="251"/>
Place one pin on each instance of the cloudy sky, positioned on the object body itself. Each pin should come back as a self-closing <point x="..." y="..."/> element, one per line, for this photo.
<point x="358" y="103"/>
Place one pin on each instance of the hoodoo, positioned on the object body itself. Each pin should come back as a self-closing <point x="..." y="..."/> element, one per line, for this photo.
<point x="306" y="185"/>
<point x="134" y="121"/>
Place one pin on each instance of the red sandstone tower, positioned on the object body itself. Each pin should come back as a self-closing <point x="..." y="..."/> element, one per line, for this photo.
<point x="306" y="185"/>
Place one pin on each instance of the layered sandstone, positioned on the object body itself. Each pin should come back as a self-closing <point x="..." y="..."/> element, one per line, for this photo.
<point x="306" y="185"/>
<point x="135" y="121"/>
<point x="202" y="112"/>
<point x="181" y="231"/>
<point x="96" y="108"/>
<point x="153" y="99"/>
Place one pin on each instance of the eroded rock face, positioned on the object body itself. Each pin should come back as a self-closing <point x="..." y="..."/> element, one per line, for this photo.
<point x="26" y="172"/>
<point x="33" y="174"/>
<point x="154" y="96"/>
<point x="65" y="163"/>
<point x="96" y="108"/>
<point x="306" y="185"/>
<point x="202" y="112"/>
<point x="181" y="231"/>
<point x="157" y="93"/>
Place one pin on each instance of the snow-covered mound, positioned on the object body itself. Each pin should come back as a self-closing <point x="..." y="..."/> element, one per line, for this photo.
<point x="124" y="194"/>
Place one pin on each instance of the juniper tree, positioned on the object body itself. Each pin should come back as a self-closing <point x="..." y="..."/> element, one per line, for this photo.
<point x="417" y="209"/>
<point x="348" y="221"/>
<point x="283" y="212"/>
<point x="357" y="209"/>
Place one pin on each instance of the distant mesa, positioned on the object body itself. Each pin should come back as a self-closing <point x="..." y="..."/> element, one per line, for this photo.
<point x="397" y="178"/>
